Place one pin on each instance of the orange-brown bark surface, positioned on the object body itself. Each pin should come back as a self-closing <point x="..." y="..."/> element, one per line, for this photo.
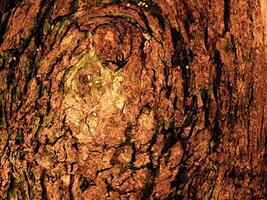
<point x="111" y="99"/>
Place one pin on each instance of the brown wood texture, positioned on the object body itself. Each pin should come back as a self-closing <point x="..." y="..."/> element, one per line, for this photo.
<point x="111" y="99"/>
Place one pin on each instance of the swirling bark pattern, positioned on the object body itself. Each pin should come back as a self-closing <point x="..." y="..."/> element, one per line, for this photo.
<point x="111" y="99"/>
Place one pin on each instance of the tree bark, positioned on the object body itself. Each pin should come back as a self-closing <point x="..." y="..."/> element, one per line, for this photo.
<point x="111" y="99"/>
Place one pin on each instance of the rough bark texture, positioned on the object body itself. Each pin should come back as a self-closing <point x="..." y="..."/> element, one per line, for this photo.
<point x="110" y="99"/>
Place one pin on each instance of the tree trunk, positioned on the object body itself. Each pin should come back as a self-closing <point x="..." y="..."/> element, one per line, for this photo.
<point x="111" y="99"/>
